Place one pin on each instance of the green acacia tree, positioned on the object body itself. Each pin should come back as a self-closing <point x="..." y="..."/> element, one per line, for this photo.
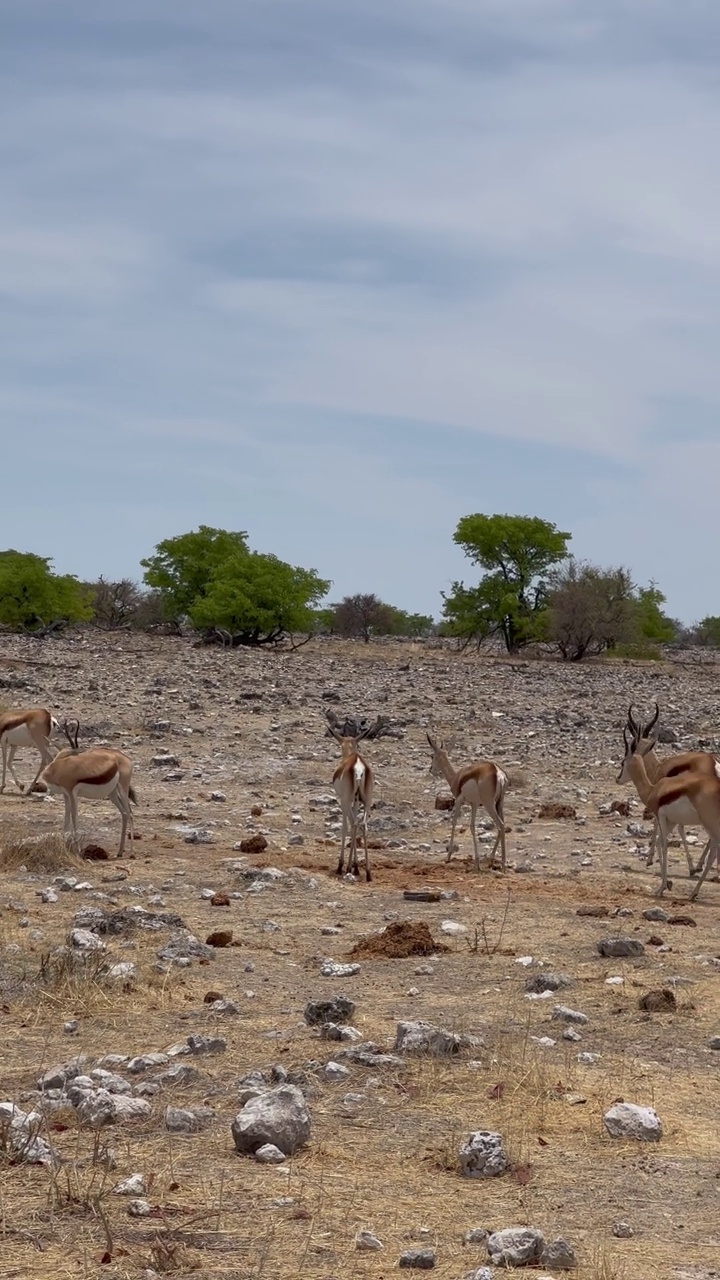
<point x="182" y="568"/>
<point x="653" y="624"/>
<point x="258" y="599"/>
<point x="211" y="578"/>
<point x="33" y="597"/>
<point x="516" y="554"/>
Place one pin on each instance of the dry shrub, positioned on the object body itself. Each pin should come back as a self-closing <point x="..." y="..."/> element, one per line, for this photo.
<point x="48" y="852"/>
<point x="398" y="941"/>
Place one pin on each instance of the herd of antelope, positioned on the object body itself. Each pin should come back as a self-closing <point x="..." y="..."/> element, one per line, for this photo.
<point x="99" y="773"/>
<point x="681" y="790"/>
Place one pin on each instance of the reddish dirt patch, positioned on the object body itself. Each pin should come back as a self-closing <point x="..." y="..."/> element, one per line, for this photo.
<point x="398" y="941"/>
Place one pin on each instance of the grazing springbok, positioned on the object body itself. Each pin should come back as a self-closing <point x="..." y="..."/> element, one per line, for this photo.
<point x="32" y="727"/>
<point x="480" y="784"/>
<point x="99" y="773"/>
<point x="650" y="770"/>
<point x="353" y="782"/>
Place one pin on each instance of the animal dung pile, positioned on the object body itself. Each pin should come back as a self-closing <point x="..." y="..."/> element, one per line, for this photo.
<point x="444" y="801"/>
<point x="398" y="941"/>
<point x="555" y="810"/>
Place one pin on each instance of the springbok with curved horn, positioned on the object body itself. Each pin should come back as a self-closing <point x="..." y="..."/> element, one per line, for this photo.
<point x="353" y="782"/>
<point x="681" y="812"/>
<point x="32" y="727"/>
<point x="642" y="744"/>
<point x="480" y="784"/>
<point x="98" y="773"/>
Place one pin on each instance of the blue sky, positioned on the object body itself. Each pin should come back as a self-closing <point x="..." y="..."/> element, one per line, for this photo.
<point x="341" y="273"/>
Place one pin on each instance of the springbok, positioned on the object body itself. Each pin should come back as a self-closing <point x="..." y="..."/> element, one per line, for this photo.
<point x="353" y="783"/>
<point x="482" y="783"/>
<point x="643" y="745"/>
<point x="682" y="811"/>
<point x="669" y="801"/>
<point x="32" y="727"/>
<point x="99" y="773"/>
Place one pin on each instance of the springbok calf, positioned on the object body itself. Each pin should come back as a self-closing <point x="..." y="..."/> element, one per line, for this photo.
<point x="482" y="783"/>
<point x="99" y="773"/>
<point x="638" y="750"/>
<point x="32" y="727"/>
<point x="353" y="782"/>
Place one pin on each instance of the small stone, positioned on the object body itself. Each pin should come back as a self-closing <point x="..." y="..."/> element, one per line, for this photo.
<point x="559" y="1255"/>
<point x="655" y="913"/>
<point x="516" y="1246"/>
<point x="85" y="940"/>
<point x="278" y="1116"/>
<point x="422" y="1038"/>
<point x="332" y="969"/>
<point x="178" y="1120"/>
<point x="218" y="796"/>
<point x="139" y="1209"/>
<point x="619" y="946"/>
<point x="338" y="1010"/>
<point x="225" y="1008"/>
<point x="476" y="1235"/>
<point x="561" y="1013"/>
<point x="366" y="1241"/>
<point x="145" y="1061"/>
<point x="547" y="980"/>
<point x="268" y="1153"/>
<point x="420" y="1259"/>
<point x="622" y="1230"/>
<point x="625" y="1120"/>
<point x="453" y="928"/>
<point x="483" y="1156"/>
<point x="70" y="1027"/>
<point x="335" y="1071"/>
<point x="132" y="1186"/>
<point x="714" y="1042"/>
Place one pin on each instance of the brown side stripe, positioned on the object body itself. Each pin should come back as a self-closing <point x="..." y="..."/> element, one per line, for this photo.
<point x="97" y="779"/>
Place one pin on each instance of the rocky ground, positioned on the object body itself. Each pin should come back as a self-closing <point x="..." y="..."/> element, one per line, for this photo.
<point x="228" y="746"/>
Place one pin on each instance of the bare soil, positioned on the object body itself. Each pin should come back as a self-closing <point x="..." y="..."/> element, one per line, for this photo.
<point x="383" y="1154"/>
